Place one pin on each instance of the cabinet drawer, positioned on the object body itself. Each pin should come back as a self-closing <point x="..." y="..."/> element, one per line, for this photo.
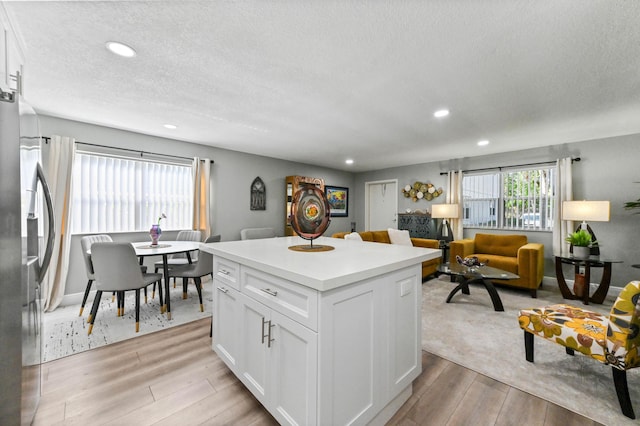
<point x="293" y="300"/>
<point x="226" y="271"/>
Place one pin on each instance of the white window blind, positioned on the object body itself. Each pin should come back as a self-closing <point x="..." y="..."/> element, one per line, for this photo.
<point x="114" y="194"/>
<point x="510" y="199"/>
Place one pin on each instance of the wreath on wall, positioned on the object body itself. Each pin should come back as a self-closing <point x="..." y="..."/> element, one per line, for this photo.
<point x="421" y="191"/>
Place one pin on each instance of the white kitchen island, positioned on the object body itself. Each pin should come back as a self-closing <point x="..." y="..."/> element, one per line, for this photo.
<point x="326" y="338"/>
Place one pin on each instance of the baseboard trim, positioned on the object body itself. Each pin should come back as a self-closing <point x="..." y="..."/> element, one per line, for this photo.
<point x="75" y="298"/>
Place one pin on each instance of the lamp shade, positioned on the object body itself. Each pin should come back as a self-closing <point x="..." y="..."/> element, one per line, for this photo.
<point x="592" y="211"/>
<point x="445" y="211"/>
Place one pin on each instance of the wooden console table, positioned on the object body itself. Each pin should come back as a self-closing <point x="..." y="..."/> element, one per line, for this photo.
<point x="588" y="263"/>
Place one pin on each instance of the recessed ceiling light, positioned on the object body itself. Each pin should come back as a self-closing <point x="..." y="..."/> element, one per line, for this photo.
<point x="483" y="143"/>
<point x="171" y="126"/>
<point x="121" y="49"/>
<point x="441" y="113"/>
<point x="349" y="161"/>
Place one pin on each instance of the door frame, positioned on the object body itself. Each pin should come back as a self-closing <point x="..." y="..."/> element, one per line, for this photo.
<point x="367" y="207"/>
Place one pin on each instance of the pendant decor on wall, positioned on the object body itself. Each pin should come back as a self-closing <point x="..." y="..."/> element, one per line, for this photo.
<point x="310" y="217"/>
<point x="258" y="195"/>
<point x="421" y="191"/>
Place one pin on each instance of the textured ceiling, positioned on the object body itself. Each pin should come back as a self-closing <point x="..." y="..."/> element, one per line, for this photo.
<point x="321" y="81"/>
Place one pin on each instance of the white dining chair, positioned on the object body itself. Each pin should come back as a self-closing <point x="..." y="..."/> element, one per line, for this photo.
<point x="117" y="269"/>
<point x="196" y="270"/>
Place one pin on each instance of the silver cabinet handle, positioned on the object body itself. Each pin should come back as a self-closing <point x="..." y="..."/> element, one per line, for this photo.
<point x="269" y="339"/>
<point x="224" y="272"/>
<point x="262" y="332"/>
<point x="269" y="291"/>
<point x="222" y="289"/>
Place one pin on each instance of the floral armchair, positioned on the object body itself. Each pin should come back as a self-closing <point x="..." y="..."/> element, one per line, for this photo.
<point x="612" y="340"/>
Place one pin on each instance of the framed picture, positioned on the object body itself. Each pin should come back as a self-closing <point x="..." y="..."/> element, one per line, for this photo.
<point x="338" y="198"/>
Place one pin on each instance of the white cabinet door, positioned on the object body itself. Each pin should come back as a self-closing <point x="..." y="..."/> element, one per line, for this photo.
<point x="404" y="330"/>
<point x="255" y="341"/>
<point x="352" y="351"/>
<point x="226" y="324"/>
<point x="11" y="54"/>
<point x="293" y="364"/>
<point x="279" y="362"/>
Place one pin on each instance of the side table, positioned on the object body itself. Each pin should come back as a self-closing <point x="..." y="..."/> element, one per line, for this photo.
<point x="588" y="263"/>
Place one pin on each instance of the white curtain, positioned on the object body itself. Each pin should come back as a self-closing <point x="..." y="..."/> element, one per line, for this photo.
<point x="58" y="164"/>
<point x="564" y="192"/>
<point x="454" y="196"/>
<point x="201" y="195"/>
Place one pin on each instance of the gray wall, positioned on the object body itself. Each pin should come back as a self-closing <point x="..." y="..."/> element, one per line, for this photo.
<point x="607" y="171"/>
<point x="231" y="175"/>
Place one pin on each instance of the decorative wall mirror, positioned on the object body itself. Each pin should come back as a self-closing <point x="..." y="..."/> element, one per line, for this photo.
<point x="258" y="195"/>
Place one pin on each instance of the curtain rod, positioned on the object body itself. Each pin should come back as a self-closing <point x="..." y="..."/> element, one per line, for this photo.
<point x="573" y="160"/>
<point x="47" y="139"/>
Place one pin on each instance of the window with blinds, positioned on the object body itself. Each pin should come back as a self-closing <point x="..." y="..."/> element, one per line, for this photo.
<point x="510" y="199"/>
<point x="114" y="194"/>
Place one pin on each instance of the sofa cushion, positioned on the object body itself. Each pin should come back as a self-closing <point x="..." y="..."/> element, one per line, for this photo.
<point x="400" y="237"/>
<point x="505" y="263"/>
<point x="501" y="245"/>
<point x="354" y="236"/>
<point x="381" y="237"/>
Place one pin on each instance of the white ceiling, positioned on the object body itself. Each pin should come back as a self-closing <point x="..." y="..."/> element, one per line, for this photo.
<point x="318" y="81"/>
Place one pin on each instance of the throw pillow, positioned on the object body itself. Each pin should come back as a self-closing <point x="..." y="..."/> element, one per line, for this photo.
<point x="399" y="237"/>
<point x="354" y="236"/>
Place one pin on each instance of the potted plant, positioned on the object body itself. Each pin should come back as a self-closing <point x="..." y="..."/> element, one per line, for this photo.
<point x="581" y="242"/>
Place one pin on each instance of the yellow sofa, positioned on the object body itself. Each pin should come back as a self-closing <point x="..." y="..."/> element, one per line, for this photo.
<point x="511" y="253"/>
<point x="429" y="267"/>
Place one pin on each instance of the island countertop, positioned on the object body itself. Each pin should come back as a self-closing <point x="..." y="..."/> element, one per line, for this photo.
<point x="349" y="262"/>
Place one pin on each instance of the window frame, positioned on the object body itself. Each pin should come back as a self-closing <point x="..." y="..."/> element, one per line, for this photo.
<point x="142" y="171"/>
<point x="544" y="200"/>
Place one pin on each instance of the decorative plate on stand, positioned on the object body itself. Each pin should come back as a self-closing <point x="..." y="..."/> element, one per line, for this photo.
<point x="310" y="217"/>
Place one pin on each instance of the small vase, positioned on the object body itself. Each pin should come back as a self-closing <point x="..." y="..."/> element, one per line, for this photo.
<point x="155" y="232"/>
<point x="581" y="252"/>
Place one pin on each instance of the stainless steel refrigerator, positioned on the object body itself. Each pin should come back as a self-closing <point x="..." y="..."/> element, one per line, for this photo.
<point x="26" y="242"/>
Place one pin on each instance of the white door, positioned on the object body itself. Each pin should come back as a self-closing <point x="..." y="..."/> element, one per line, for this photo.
<point x="381" y="205"/>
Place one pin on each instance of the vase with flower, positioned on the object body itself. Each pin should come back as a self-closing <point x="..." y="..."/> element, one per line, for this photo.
<point x="155" y="232"/>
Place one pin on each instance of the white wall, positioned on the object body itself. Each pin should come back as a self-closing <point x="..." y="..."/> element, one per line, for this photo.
<point x="607" y="171"/>
<point x="231" y="174"/>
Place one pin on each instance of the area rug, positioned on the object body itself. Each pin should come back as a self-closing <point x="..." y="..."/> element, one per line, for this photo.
<point x="470" y="333"/>
<point x="65" y="333"/>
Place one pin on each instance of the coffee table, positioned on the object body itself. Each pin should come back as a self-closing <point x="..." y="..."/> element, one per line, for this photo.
<point x="465" y="275"/>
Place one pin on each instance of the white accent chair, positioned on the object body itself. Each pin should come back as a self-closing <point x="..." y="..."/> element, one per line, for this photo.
<point x="257" y="233"/>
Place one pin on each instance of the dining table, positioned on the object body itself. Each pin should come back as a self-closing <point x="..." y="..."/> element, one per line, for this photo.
<point x="164" y="249"/>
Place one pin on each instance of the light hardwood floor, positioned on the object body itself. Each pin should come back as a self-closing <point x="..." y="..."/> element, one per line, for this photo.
<point x="172" y="377"/>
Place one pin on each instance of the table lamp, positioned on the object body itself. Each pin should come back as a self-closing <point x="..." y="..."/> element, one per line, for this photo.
<point x="444" y="212"/>
<point x="594" y="211"/>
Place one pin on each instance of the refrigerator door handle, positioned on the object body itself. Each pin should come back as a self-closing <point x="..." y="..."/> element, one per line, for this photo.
<point x="52" y="232"/>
